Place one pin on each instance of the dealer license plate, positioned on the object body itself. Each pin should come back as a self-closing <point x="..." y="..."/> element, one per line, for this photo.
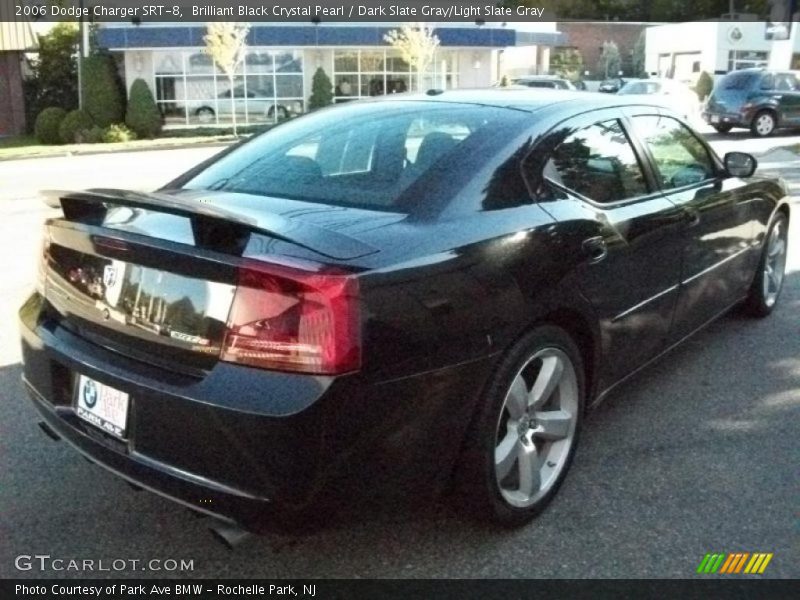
<point x="101" y="405"/>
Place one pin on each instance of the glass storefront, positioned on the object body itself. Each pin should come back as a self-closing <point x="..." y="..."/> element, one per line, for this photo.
<point x="747" y="59"/>
<point x="360" y="73"/>
<point x="269" y="85"/>
<point x="190" y="89"/>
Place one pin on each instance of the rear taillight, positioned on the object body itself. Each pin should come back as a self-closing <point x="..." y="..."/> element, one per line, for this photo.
<point x="44" y="258"/>
<point x="289" y="319"/>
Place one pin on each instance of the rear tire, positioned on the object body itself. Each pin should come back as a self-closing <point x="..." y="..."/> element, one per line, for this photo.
<point x="763" y="124"/>
<point x="723" y="128"/>
<point x="205" y="114"/>
<point x="523" y="437"/>
<point x="768" y="281"/>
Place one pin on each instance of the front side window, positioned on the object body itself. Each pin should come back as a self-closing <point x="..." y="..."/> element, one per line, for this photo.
<point x="599" y="163"/>
<point x="680" y="158"/>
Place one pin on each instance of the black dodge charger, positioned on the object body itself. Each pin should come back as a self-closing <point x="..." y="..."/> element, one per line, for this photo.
<point x="418" y="294"/>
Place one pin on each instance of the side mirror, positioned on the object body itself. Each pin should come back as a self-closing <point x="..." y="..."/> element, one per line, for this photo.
<point x="740" y="164"/>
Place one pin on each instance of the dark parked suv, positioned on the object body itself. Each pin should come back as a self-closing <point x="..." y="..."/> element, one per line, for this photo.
<point x="758" y="99"/>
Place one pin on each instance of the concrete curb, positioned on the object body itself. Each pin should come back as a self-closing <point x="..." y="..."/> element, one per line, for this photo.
<point x="92" y="152"/>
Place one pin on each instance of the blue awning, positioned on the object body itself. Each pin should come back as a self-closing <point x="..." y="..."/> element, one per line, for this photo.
<point x="123" y="38"/>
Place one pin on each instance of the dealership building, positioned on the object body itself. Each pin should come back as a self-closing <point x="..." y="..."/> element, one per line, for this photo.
<point x="683" y="50"/>
<point x="275" y="77"/>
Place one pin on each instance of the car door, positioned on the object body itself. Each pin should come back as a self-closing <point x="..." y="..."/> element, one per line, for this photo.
<point x="787" y="93"/>
<point x="626" y="234"/>
<point x="718" y="251"/>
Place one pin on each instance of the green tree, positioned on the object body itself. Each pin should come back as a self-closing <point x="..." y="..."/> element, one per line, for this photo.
<point x="610" y="62"/>
<point x="103" y="98"/>
<point x="567" y="63"/>
<point x="638" y="56"/>
<point x="226" y="44"/>
<point x="321" y="90"/>
<point x="54" y="77"/>
<point x="143" y="116"/>
<point x="704" y="85"/>
<point x="643" y="10"/>
<point x="416" y="43"/>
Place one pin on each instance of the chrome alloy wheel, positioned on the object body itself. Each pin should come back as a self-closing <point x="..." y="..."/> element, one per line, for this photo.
<point x="536" y="428"/>
<point x="774" y="263"/>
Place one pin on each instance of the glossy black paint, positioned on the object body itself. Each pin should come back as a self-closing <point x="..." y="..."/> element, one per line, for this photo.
<point x="452" y="284"/>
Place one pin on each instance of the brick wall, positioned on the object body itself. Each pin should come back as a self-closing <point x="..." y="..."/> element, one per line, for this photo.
<point x="12" y="100"/>
<point x="589" y="38"/>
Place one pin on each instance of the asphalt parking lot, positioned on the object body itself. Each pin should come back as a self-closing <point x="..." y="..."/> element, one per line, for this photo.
<point x="697" y="454"/>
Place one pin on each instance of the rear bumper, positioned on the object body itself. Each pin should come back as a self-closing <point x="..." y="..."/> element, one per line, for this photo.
<point x="254" y="446"/>
<point x="724" y="118"/>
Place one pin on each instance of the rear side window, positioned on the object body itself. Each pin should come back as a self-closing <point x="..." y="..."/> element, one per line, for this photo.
<point x="786" y="82"/>
<point x="680" y="158"/>
<point x="599" y="163"/>
<point x="364" y="155"/>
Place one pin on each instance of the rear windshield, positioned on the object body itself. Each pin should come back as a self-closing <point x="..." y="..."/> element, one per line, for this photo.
<point x="640" y="87"/>
<point x="737" y="81"/>
<point x="364" y="154"/>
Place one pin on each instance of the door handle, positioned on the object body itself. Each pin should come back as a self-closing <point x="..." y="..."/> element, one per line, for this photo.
<point x="595" y="248"/>
<point x="692" y="217"/>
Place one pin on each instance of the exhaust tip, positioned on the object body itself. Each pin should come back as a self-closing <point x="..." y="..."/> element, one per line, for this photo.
<point x="49" y="431"/>
<point x="230" y="536"/>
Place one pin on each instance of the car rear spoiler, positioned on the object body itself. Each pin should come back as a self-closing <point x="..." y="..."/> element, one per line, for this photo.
<point x="209" y="221"/>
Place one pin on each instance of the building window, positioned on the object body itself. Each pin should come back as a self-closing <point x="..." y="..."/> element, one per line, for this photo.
<point x="363" y="73"/>
<point x="746" y="59"/>
<point x="190" y="89"/>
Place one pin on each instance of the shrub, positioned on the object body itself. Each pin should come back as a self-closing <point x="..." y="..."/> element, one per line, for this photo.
<point x="73" y="126"/>
<point x="143" y="116"/>
<point x="103" y="99"/>
<point x="48" y="123"/>
<point x="117" y="133"/>
<point x="321" y="90"/>
<point x="705" y="83"/>
<point x="93" y="135"/>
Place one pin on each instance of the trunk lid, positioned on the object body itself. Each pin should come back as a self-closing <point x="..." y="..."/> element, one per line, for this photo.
<point x="153" y="276"/>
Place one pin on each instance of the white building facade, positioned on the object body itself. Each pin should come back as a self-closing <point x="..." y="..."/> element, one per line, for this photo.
<point x="683" y="50"/>
<point x="276" y="77"/>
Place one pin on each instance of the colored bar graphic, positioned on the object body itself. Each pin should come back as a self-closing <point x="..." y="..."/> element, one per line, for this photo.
<point x="764" y="564"/>
<point x="727" y="565"/>
<point x="740" y="564"/>
<point x="734" y="562"/>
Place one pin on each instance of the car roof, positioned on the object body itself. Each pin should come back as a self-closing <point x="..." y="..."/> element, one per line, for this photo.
<point x="536" y="78"/>
<point x="528" y="99"/>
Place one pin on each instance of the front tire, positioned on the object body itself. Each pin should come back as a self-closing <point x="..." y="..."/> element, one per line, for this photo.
<point x="723" y="128"/>
<point x="523" y="437"/>
<point x="768" y="282"/>
<point x="205" y="114"/>
<point x="764" y="124"/>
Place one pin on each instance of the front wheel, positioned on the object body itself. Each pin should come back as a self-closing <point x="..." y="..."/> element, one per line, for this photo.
<point x="763" y="124"/>
<point x="768" y="282"/>
<point x="523" y="438"/>
<point x="205" y="114"/>
<point x="283" y="114"/>
<point x="723" y="128"/>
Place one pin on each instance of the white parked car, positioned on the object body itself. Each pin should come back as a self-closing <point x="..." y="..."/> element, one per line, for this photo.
<point x="672" y="94"/>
